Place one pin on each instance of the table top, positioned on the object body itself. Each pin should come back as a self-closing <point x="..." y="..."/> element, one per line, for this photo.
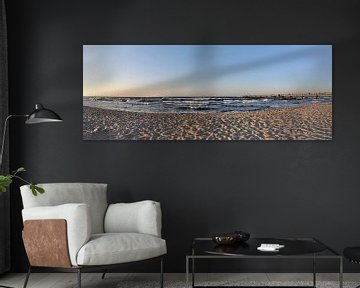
<point x="293" y="247"/>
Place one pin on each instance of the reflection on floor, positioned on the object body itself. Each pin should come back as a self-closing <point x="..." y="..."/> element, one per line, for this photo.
<point x="137" y="280"/>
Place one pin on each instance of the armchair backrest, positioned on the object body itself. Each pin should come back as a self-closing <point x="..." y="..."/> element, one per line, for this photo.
<point x="92" y="194"/>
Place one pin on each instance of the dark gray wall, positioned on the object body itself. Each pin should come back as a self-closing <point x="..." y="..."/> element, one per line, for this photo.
<point x="268" y="188"/>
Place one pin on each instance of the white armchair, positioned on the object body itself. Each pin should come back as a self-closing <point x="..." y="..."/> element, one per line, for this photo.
<point x="72" y="228"/>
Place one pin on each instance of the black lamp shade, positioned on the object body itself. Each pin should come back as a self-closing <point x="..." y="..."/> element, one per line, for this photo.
<point x="42" y="115"/>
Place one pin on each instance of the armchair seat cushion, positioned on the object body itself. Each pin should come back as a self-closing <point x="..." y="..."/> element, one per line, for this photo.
<point x="113" y="248"/>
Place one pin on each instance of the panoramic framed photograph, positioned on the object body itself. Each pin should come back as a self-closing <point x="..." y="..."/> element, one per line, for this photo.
<point x="207" y="92"/>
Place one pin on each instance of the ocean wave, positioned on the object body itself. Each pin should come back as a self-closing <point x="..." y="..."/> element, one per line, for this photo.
<point x="197" y="104"/>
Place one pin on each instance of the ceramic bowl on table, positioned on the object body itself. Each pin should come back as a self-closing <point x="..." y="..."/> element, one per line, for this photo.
<point x="224" y="239"/>
<point x="231" y="238"/>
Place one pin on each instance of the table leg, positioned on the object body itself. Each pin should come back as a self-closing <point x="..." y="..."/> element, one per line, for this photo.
<point x="314" y="271"/>
<point x="193" y="272"/>
<point x="187" y="272"/>
<point x="341" y="273"/>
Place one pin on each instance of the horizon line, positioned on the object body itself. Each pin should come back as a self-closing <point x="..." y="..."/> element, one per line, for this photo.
<point x="322" y="93"/>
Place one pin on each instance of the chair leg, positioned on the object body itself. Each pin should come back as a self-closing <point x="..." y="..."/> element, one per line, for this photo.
<point x="161" y="273"/>
<point x="27" y="277"/>
<point x="103" y="275"/>
<point x="79" y="277"/>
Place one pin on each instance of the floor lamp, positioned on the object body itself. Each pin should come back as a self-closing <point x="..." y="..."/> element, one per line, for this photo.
<point x="39" y="115"/>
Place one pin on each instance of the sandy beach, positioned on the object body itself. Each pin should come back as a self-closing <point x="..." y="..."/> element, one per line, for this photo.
<point x="308" y="122"/>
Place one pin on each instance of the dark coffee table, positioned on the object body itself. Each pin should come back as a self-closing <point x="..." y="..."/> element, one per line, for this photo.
<point x="295" y="248"/>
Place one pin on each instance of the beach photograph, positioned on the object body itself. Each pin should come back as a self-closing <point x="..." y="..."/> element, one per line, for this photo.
<point x="207" y="92"/>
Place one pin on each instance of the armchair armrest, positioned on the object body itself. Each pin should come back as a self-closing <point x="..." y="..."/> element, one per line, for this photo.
<point x="77" y="219"/>
<point x="138" y="217"/>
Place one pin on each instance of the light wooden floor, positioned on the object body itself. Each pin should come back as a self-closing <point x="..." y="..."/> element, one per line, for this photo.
<point x="113" y="280"/>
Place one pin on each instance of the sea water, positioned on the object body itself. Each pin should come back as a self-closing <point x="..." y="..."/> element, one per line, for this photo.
<point x="199" y="104"/>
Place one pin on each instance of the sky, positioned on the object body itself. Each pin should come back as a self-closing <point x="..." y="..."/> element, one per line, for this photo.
<point x="205" y="70"/>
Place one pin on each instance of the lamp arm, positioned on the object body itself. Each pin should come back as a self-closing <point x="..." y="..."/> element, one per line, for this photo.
<point x="4" y="134"/>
